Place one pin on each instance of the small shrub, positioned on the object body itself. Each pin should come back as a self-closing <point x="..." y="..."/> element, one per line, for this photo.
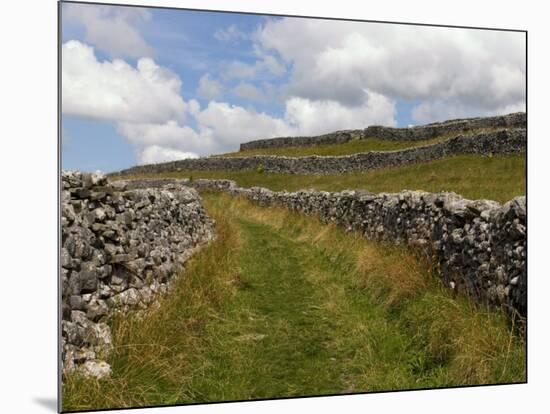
<point x="260" y="169"/>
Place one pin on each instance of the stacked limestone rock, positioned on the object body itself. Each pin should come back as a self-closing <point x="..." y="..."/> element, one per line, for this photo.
<point x="514" y="120"/>
<point x="119" y="249"/>
<point x="416" y="133"/>
<point x="337" y="137"/>
<point x="480" y="245"/>
<point x="487" y="143"/>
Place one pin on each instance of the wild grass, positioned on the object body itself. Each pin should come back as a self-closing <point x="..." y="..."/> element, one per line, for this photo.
<point x="152" y="361"/>
<point x="283" y="305"/>
<point x="498" y="178"/>
<point x="350" y="147"/>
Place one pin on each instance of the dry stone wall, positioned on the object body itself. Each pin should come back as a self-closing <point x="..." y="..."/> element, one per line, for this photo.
<point x="515" y="120"/>
<point x="480" y="245"/>
<point x="337" y="137"/>
<point x="498" y="142"/>
<point x="119" y="250"/>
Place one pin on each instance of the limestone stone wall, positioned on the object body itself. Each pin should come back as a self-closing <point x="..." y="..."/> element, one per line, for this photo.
<point x="498" y="142"/>
<point x="337" y="137"/>
<point x="480" y="245"/>
<point x="119" y="250"/>
<point x="515" y="120"/>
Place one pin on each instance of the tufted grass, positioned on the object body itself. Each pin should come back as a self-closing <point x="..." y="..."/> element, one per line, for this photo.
<point x="498" y="178"/>
<point x="283" y="305"/>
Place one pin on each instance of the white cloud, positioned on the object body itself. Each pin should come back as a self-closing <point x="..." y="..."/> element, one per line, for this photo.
<point x="442" y="110"/>
<point x="312" y="117"/>
<point x="155" y="154"/>
<point x="110" y="28"/>
<point x="231" y="125"/>
<point x="221" y="127"/>
<point x="169" y="134"/>
<point x="117" y="91"/>
<point x="344" y="75"/>
<point x="209" y="88"/>
<point x="230" y="34"/>
<point x="267" y="65"/>
<point x="335" y="60"/>
<point x="169" y="140"/>
<point x="145" y="104"/>
<point x="248" y="91"/>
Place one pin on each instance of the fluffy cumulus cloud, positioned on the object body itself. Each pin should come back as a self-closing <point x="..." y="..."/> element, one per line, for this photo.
<point x="220" y="127"/>
<point x="249" y="91"/>
<point x="165" y="142"/>
<point x="155" y="154"/>
<point x="114" y="90"/>
<point x="232" y="124"/>
<point x="451" y="71"/>
<point x="311" y="117"/>
<point x="326" y="75"/>
<point x="266" y="66"/>
<point x="439" y="109"/>
<point x="209" y="88"/>
<point x="114" y="30"/>
<point x="169" y="134"/>
<point x="145" y="104"/>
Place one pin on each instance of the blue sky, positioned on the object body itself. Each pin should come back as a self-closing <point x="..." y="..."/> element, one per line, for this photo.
<point x="149" y="85"/>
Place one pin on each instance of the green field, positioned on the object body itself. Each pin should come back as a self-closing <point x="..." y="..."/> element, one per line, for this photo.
<point x="283" y="305"/>
<point x="350" y="147"/>
<point x="497" y="178"/>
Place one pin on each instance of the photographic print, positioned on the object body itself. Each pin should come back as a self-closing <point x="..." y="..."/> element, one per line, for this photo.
<point x="259" y="206"/>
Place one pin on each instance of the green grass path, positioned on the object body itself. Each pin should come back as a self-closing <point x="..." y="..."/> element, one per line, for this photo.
<point x="276" y="322"/>
<point x="284" y="324"/>
<point x="281" y="305"/>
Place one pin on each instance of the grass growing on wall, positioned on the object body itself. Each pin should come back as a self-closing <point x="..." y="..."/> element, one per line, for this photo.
<point x="497" y="178"/>
<point x="283" y="305"/>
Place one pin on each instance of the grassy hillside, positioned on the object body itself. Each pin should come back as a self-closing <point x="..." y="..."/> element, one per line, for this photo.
<point x="350" y="147"/>
<point x="497" y="178"/>
<point x="282" y="305"/>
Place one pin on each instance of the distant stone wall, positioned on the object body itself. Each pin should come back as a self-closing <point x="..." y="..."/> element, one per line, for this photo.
<point x="515" y="120"/>
<point x="499" y="142"/>
<point x="417" y="133"/>
<point x="480" y="245"/>
<point x="119" y="249"/>
<point x="337" y="137"/>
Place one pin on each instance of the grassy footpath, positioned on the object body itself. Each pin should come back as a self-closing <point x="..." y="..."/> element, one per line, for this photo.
<point x="497" y="178"/>
<point x="282" y="305"/>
